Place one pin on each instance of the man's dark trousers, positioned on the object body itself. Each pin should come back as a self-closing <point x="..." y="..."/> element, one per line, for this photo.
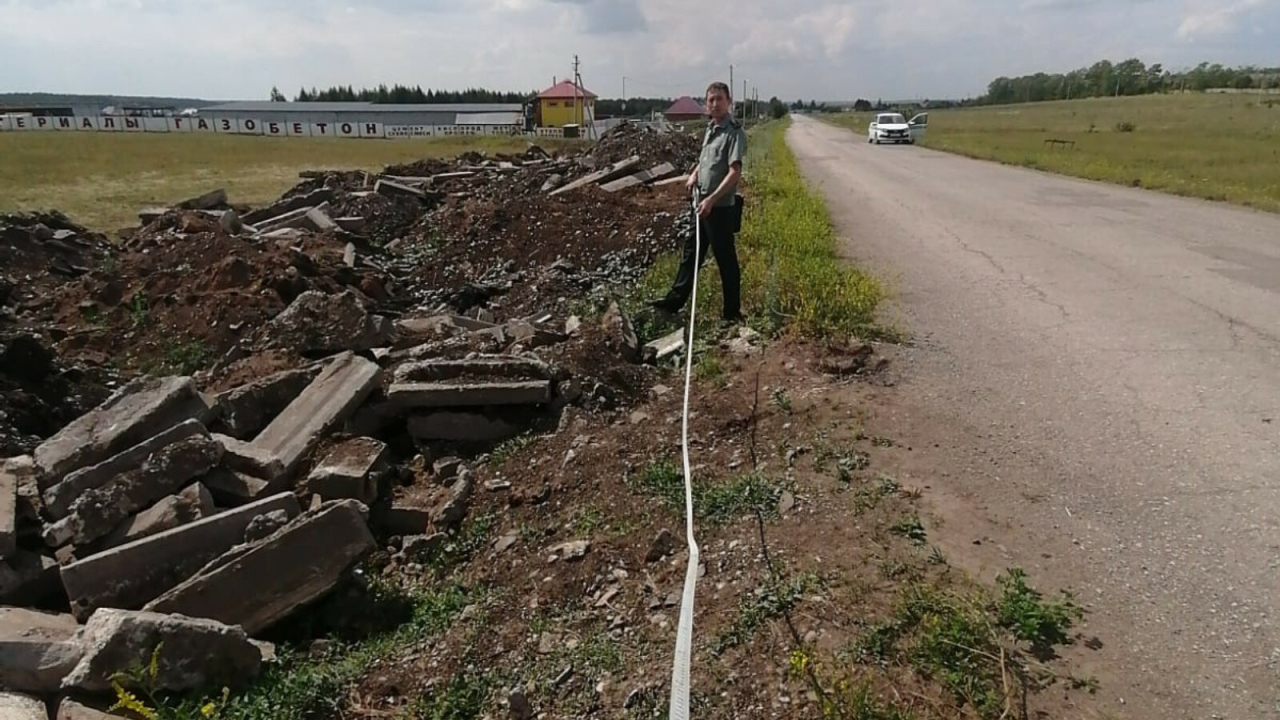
<point x="718" y="234"/>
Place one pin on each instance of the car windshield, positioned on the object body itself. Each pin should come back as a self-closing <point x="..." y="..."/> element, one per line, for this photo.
<point x="891" y="120"/>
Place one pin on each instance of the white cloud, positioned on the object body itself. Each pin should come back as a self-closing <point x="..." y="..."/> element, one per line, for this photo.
<point x="834" y="49"/>
<point x="1216" y="20"/>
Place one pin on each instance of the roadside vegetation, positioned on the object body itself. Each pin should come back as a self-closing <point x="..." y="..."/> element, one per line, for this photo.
<point x="101" y="180"/>
<point x="1216" y="146"/>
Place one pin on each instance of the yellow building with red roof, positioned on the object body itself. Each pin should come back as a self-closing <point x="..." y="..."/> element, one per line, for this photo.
<point x="565" y="103"/>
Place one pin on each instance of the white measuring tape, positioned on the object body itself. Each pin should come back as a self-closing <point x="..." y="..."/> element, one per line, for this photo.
<point x="679" y="709"/>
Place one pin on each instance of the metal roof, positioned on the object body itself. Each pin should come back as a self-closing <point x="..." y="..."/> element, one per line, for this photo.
<point x="685" y="106"/>
<point x="365" y="107"/>
<point x="566" y="89"/>
<point x="497" y="118"/>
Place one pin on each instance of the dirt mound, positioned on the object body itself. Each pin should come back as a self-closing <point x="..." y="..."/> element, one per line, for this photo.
<point x="38" y="395"/>
<point x="653" y="147"/>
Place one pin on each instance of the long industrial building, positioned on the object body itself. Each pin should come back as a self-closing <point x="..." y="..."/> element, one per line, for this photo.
<point x="366" y="112"/>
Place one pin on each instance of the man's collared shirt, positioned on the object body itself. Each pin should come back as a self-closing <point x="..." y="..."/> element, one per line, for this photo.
<point x="724" y="144"/>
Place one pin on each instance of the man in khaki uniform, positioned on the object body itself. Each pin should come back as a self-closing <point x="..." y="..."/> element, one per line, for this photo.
<point x="715" y="178"/>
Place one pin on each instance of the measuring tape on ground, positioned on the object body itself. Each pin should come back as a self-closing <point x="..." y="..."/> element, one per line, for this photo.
<point x="679" y="708"/>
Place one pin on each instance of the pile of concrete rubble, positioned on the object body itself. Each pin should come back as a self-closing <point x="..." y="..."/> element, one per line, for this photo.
<point x="192" y="520"/>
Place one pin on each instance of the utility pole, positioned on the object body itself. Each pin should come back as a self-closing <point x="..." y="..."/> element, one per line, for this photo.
<point x="730" y="78"/>
<point x="624" y="94"/>
<point x="577" y="85"/>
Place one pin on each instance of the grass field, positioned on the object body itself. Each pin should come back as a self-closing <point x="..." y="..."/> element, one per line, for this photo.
<point x="101" y="179"/>
<point x="1219" y="147"/>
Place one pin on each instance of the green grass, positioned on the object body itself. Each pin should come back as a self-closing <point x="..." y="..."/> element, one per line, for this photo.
<point x="792" y="273"/>
<point x="101" y="180"/>
<point x="769" y="602"/>
<point x="1214" y="146"/>
<point x="714" y="502"/>
<point x="973" y="643"/>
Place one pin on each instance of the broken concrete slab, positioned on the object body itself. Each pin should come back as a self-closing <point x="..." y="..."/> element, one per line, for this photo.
<point x="243" y="457"/>
<point x="37" y="650"/>
<point x="8" y="513"/>
<point x="454" y="508"/>
<point x="317" y="322"/>
<point x="231" y="223"/>
<point x="671" y="181"/>
<point x="71" y="710"/>
<point x="618" y="325"/>
<point x="148" y="215"/>
<point x="208" y="201"/>
<point x="319" y="221"/>
<point x="246" y="410"/>
<point x="350" y="471"/>
<point x="430" y="395"/>
<point x="330" y="399"/>
<point x="553" y="182"/>
<point x="315" y="198"/>
<point x="191" y="504"/>
<point x="232" y="489"/>
<point x="393" y="189"/>
<point x="288" y="570"/>
<point x="657" y="172"/>
<point x="194" y="653"/>
<point x="664" y="347"/>
<point x="28" y="578"/>
<point x="461" y="427"/>
<point x="133" y="574"/>
<point x="477" y="368"/>
<point x="98" y="511"/>
<point x="298" y="219"/>
<point x="22" y="707"/>
<point x="404" y="520"/>
<point x="441" y="325"/>
<point x="139" y="410"/>
<point x="352" y="224"/>
<point x="615" y="170"/>
<point x="58" y="499"/>
<point x="349" y="255"/>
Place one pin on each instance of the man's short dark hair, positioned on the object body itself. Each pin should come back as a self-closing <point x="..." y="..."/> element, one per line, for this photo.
<point x="720" y="87"/>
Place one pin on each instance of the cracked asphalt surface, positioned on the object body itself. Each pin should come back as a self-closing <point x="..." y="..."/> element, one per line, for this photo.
<point x="1093" y="384"/>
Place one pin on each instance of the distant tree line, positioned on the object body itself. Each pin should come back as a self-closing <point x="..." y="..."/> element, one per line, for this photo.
<point x="402" y="94"/>
<point x="1130" y="77"/>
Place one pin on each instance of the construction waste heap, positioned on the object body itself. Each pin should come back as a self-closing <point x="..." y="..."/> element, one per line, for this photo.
<point x="215" y="419"/>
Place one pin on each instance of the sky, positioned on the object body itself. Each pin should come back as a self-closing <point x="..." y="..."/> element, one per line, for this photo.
<point x="795" y="49"/>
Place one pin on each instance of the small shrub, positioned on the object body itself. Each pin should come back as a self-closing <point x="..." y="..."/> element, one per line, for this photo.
<point x="1125" y="127"/>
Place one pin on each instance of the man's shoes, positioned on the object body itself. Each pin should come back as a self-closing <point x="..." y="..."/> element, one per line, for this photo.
<point x="664" y="305"/>
<point x="730" y="321"/>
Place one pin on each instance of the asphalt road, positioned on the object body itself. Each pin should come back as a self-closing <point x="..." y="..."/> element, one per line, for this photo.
<point x="1095" y="378"/>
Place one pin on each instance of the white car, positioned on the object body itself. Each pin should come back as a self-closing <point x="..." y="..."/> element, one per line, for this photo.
<point x="892" y="127"/>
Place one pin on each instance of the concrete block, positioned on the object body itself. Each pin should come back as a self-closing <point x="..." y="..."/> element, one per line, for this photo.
<point x="288" y="570"/>
<point x="319" y="221"/>
<point x="317" y="322"/>
<point x="138" y="411"/>
<point x="394" y="189"/>
<point x="315" y="198"/>
<point x="429" y="395"/>
<point x="148" y="215"/>
<point x="616" y="170"/>
<point x="133" y="574"/>
<point x="644" y="176"/>
<point x="352" y="224"/>
<point x="100" y="510"/>
<point x="28" y="578"/>
<point x="350" y="471"/>
<point x="245" y="458"/>
<point x="233" y="489"/>
<point x="247" y="409"/>
<point x="208" y="201"/>
<point x="298" y="219"/>
<point x="403" y="520"/>
<point x="329" y="400"/>
<point x="58" y="499"/>
<point x="22" y="707"/>
<point x="194" y="653"/>
<point x="461" y="427"/>
<point x="69" y="709"/>
<point x="664" y="347"/>
<point x="8" y="513"/>
<point x="190" y="505"/>
<point x="481" y="368"/>
<point x="37" y="649"/>
<point x="621" y="331"/>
